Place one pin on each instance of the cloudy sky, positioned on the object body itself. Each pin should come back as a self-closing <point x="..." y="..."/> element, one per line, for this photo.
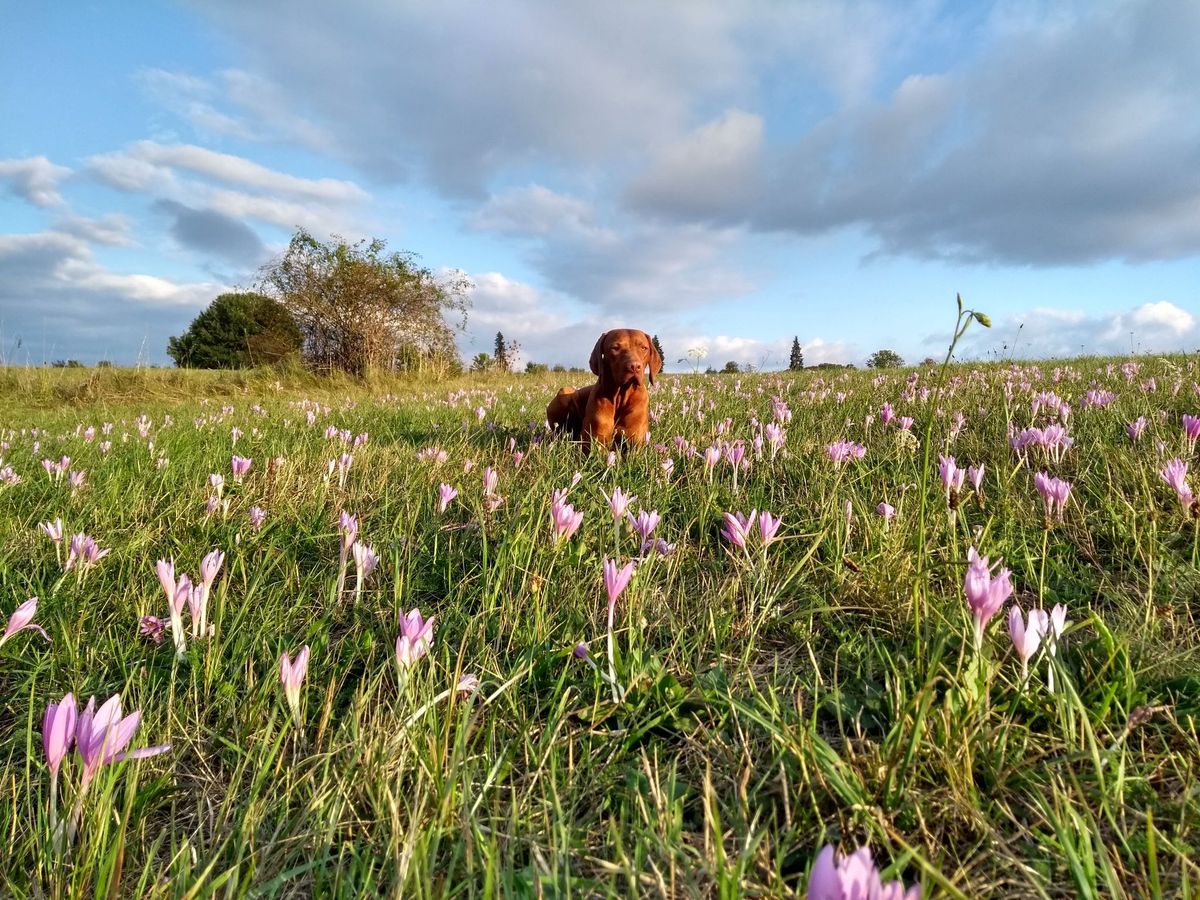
<point x="727" y="175"/>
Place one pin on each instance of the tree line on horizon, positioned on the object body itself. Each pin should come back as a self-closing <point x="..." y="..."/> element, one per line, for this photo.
<point x="353" y="308"/>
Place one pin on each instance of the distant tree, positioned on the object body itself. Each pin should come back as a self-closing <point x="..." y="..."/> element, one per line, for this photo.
<point x="885" y="359"/>
<point x="796" y="363"/>
<point x="534" y="368"/>
<point x="559" y="367"/>
<point x="929" y="361"/>
<point x="104" y="364"/>
<point x="502" y="362"/>
<point x="235" y="331"/>
<point x="357" y="306"/>
<point x="658" y="347"/>
<point x="67" y="364"/>
<point x="482" y="363"/>
<point x="731" y="368"/>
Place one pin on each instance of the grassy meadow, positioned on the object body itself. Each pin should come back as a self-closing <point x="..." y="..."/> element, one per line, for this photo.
<point x="822" y="685"/>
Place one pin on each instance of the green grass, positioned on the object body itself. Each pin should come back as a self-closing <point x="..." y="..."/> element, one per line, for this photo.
<point x="829" y="693"/>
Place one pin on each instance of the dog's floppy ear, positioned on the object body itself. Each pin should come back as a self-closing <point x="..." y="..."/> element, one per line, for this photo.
<point x="656" y="360"/>
<point x="597" y="354"/>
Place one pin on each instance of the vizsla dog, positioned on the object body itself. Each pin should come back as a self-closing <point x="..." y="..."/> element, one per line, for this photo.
<point x="617" y="407"/>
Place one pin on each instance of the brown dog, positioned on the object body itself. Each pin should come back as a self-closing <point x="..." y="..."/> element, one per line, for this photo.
<point x="617" y="407"/>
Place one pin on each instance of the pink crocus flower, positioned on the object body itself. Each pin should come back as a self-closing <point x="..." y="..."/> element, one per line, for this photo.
<point x="467" y="685"/>
<point x="645" y="522"/>
<point x="446" y="493"/>
<point x="22" y="620"/>
<point x="415" y="638"/>
<point x="102" y="735"/>
<point x="1055" y="625"/>
<point x="178" y="594"/>
<point x="985" y="591"/>
<point x="76" y="479"/>
<point x="257" y="516"/>
<point x="366" y="561"/>
<point x="1174" y="473"/>
<point x="975" y="476"/>
<point x="240" y="465"/>
<point x="491" y="479"/>
<point x="952" y="477"/>
<point x="1191" y="430"/>
<point x="615" y="581"/>
<point x="618" y="502"/>
<point x="886" y="510"/>
<point x="1135" y="428"/>
<point x="853" y="877"/>
<point x="738" y="528"/>
<point x="768" y="525"/>
<point x="217" y="483"/>
<point x="291" y="675"/>
<point x="58" y="732"/>
<point x="564" y="519"/>
<point x="712" y="456"/>
<point x="348" y="529"/>
<point x="152" y="627"/>
<point x="198" y="598"/>
<point x="886" y="414"/>
<point x="1026" y="635"/>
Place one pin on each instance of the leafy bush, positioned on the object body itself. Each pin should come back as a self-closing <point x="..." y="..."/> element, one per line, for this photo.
<point x="234" y="332"/>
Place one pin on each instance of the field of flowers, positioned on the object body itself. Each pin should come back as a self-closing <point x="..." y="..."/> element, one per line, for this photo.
<point x="927" y="629"/>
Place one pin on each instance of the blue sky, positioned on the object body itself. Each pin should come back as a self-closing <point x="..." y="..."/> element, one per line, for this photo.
<point x="724" y="175"/>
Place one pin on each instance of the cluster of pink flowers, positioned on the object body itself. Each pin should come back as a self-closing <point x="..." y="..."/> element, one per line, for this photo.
<point x="434" y="455"/>
<point x="1028" y="633"/>
<point x="564" y="518"/>
<point x="740" y="529"/>
<point x="987" y="590"/>
<point x="841" y="451"/>
<point x="1053" y="440"/>
<point x="1055" y="493"/>
<point x="183" y="592"/>
<point x="83" y="554"/>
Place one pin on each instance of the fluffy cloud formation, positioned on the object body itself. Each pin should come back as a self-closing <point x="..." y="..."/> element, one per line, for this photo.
<point x="622" y="268"/>
<point x="1158" y="327"/>
<point x="58" y="301"/>
<point x="1057" y="144"/>
<point x="233" y="187"/>
<point x="34" y="179"/>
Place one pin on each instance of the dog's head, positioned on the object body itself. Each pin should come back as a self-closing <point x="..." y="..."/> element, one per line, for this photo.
<point x="623" y="355"/>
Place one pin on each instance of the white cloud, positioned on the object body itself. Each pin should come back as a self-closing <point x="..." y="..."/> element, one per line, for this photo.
<point x="623" y="267"/>
<point x="154" y="156"/>
<point x="58" y="301"/>
<point x="110" y="230"/>
<point x="716" y="350"/>
<point x="34" y="179"/>
<point x="714" y="168"/>
<point x="234" y="187"/>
